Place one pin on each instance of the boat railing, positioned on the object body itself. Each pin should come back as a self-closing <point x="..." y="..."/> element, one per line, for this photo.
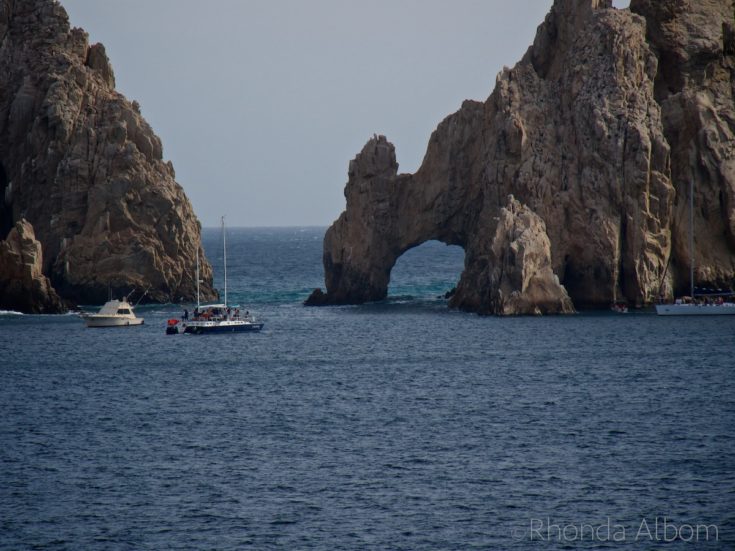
<point x="232" y="315"/>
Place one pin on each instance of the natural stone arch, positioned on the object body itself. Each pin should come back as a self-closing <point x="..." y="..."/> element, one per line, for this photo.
<point x="507" y="260"/>
<point x="362" y="246"/>
<point x="597" y="132"/>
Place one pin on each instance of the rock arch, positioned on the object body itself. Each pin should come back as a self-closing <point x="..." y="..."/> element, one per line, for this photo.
<point x="581" y="156"/>
<point x="507" y="257"/>
<point x="387" y="214"/>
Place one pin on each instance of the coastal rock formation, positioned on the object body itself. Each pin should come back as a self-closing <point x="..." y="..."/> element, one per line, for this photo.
<point x="597" y="132"/>
<point x="23" y="287"/>
<point x="79" y="162"/>
<point x="695" y="45"/>
<point x="510" y="272"/>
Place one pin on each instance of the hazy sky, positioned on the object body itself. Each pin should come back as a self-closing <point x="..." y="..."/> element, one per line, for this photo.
<point x="261" y="104"/>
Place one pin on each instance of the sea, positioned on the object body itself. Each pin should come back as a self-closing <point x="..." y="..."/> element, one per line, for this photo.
<point x="395" y="425"/>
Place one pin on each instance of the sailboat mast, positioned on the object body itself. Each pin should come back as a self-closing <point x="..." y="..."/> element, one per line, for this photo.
<point x="224" y="255"/>
<point x="197" y="278"/>
<point x="691" y="237"/>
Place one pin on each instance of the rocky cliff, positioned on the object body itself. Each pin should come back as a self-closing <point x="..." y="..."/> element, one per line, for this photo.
<point x="80" y="164"/>
<point x="23" y="287"/>
<point x="597" y="133"/>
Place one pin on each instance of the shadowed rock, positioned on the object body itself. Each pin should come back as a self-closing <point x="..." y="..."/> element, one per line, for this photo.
<point x="23" y="287"/>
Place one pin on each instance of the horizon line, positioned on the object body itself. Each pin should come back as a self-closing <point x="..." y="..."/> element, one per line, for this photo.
<point x="308" y="226"/>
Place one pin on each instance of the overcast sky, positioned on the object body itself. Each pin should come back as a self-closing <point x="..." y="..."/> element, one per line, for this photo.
<point x="261" y="104"/>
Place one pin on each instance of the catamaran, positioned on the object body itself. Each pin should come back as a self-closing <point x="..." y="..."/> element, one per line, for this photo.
<point x="703" y="304"/>
<point x="215" y="318"/>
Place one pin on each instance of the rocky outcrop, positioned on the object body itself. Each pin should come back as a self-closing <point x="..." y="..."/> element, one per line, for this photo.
<point x="510" y="272"/>
<point x="79" y="162"/>
<point x="23" y="287"/>
<point x="597" y="131"/>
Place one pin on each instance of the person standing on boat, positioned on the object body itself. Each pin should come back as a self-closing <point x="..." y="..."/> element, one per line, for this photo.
<point x="186" y="314"/>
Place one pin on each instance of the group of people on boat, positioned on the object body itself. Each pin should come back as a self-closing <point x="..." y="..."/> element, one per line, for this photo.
<point x="215" y="314"/>
<point x="706" y="301"/>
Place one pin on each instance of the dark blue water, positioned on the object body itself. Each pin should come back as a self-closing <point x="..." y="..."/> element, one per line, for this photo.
<point x="399" y="425"/>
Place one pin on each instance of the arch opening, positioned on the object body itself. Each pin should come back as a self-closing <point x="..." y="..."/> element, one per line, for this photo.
<point x="427" y="271"/>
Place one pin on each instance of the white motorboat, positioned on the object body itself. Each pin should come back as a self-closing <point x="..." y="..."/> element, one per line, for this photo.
<point x="115" y="313"/>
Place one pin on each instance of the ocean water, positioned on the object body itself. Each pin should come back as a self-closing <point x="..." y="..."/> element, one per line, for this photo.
<point x="398" y="425"/>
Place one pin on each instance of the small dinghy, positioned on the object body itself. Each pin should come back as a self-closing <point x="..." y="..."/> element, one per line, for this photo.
<point x="172" y="327"/>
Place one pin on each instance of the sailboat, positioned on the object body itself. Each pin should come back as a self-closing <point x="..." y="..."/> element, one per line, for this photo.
<point x="215" y="318"/>
<point x="713" y="304"/>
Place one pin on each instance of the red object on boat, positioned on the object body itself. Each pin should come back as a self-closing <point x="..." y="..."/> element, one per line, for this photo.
<point x="173" y="321"/>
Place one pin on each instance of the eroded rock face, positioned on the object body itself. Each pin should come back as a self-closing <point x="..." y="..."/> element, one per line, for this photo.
<point x="581" y="131"/>
<point x="510" y="271"/>
<point x="695" y="45"/>
<point x="80" y="163"/>
<point x="23" y="287"/>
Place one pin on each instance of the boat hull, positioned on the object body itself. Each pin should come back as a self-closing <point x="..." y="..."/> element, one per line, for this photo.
<point x="104" y="321"/>
<point x="695" y="310"/>
<point x="214" y="327"/>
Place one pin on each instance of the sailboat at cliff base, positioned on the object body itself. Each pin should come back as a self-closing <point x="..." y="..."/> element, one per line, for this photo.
<point x="697" y="304"/>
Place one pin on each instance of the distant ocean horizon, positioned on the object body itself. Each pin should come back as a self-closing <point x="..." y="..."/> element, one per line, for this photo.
<point x="400" y="424"/>
<point x="286" y="227"/>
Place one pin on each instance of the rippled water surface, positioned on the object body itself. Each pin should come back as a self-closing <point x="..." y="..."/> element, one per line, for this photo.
<point x="399" y="425"/>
